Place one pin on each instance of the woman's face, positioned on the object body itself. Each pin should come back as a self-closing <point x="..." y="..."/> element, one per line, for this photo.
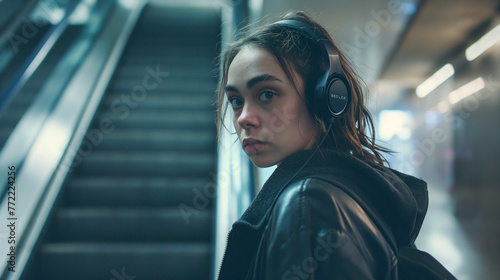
<point x="270" y="116"/>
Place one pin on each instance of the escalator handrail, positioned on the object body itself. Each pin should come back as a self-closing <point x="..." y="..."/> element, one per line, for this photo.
<point x="36" y="57"/>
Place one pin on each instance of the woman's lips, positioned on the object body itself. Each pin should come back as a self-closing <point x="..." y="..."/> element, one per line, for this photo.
<point x="252" y="145"/>
<point x="254" y="148"/>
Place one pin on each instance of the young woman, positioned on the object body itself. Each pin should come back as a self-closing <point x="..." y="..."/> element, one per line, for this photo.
<point x="330" y="210"/>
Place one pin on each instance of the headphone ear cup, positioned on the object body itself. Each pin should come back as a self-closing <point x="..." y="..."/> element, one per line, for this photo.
<point x="331" y="100"/>
<point x="337" y="95"/>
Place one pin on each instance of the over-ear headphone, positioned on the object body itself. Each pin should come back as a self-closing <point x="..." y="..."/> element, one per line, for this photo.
<point x="332" y="92"/>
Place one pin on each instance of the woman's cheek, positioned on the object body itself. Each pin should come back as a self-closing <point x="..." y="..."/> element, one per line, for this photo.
<point x="276" y="125"/>
<point x="284" y="117"/>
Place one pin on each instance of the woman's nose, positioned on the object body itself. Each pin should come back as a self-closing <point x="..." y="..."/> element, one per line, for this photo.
<point x="248" y="117"/>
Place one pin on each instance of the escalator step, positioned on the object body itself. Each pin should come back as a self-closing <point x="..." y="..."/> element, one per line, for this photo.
<point x="174" y="224"/>
<point x="140" y="191"/>
<point x="167" y="61"/>
<point x="124" y="116"/>
<point x="139" y="163"/>
<point x="174" y="72"/>
<point x="157" y="140"/>
<point x="166" y="84"/>
<point x="174" y="47"/>
<point x="62" y="261"/>
<point x="171" y="101"/>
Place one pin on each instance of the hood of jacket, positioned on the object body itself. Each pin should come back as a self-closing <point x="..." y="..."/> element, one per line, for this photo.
<point x="400" y="199"/>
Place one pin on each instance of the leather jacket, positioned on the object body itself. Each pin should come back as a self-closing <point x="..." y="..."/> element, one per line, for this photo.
<point x="340" y="219"/>
<point x="317" y="231"/>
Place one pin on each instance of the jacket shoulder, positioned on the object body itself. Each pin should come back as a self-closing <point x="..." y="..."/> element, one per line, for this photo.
<point x="310" y="213"/>
<point x="312" y="199"/>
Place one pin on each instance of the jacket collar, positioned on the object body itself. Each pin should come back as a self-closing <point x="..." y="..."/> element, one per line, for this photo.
<point x="256" y="214"/>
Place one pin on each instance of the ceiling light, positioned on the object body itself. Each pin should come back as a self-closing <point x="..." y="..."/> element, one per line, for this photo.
<point x="481" y="45"/>
<point x="435" y="80"/>
<point x="466" y="90"/>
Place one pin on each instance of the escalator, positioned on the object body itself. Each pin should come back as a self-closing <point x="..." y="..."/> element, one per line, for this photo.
<point x="20" y="103"/>
<point x="138" y="199"/>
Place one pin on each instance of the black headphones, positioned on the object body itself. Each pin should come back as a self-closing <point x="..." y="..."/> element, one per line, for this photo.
<point x="332" y="91"/>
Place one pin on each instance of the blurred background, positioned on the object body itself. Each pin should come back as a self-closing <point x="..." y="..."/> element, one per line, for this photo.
<point x="110" y="166"/>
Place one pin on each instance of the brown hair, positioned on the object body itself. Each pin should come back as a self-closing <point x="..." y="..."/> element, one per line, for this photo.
<point x="348" y="133"/>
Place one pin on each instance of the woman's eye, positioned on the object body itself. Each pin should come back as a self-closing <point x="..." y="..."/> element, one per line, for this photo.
<point x="267" y="95"/>
<point x="235" y="102"/>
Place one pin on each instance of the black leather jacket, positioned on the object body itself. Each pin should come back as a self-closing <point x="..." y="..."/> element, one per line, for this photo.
<point x="341" y="219"/>
<point x="318" y="231"/>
